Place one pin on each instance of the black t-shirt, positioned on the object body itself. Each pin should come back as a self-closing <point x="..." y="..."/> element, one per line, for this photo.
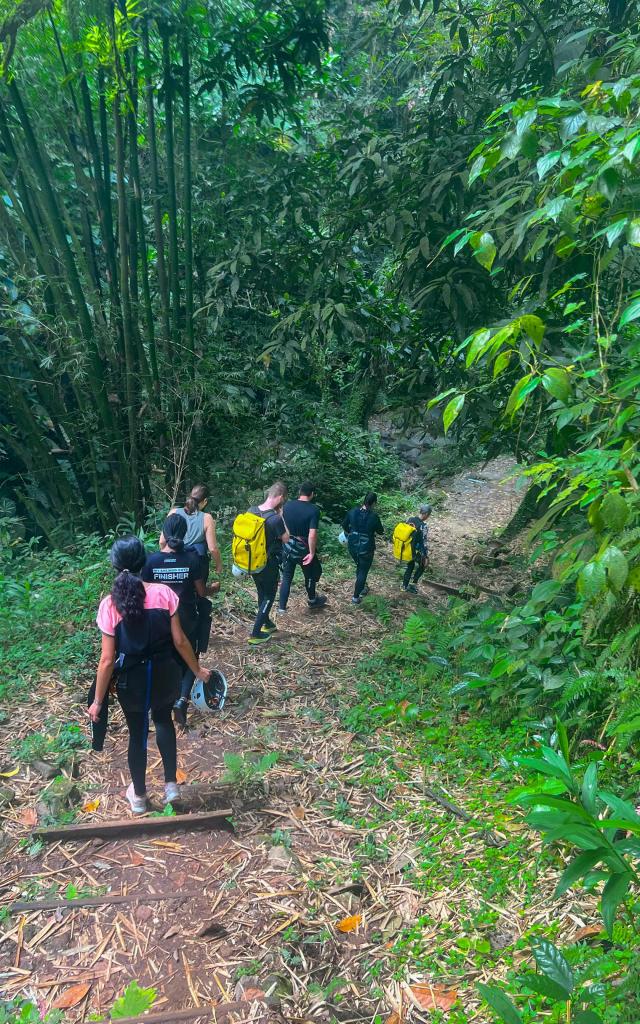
<point x="274" y="529"/>
<point x="360" y="520"/>
<point x="420" y="539"/>
<point x="179" y="570"/>
<point x="300" y="517"/>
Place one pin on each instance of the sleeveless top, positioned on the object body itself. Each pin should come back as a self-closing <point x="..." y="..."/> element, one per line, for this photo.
<point x="194" y="537"/>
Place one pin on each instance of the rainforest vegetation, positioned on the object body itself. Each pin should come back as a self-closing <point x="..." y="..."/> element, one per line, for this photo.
<point x="234" y="236"/>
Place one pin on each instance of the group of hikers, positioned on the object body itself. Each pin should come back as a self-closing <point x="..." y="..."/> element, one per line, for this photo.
<point x="156" y="621"/>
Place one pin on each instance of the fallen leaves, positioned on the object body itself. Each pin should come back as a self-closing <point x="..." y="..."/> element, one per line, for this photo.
<point x="72" y="996"/>
<point x="587" y="932"/>
<point x="136" y="858"/>
<point x="28" y="816"/>
<point x="91" y="805"/>
<point x="181" y="776"/>
<point x="349" y="924"/>
<point x="9" y="775"/>
<point x="298" y="813"/>
<point x="433" y="997"/>
<point x="393" y="1018"/>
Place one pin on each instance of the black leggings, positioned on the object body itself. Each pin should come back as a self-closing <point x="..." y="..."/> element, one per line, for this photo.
<point x="363" y="564"/>
<point x="267" y="586"/>
<point x="419" y="564"/>
<point x="138" y="725"/>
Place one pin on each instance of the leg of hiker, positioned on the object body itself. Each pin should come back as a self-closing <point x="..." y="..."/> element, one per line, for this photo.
<point x="204" y="624"/>
<point x="166" y="741"/>
<point x="288" y="572"/>
<point x="138" y="726"/>
<point x="406" y="579"/>
<point x="312" y="573"/>
<point x="420" y="570"/>
<point x="363" y="564"/>
<point x="99" y="728"/>
<point x="267" y="587"/>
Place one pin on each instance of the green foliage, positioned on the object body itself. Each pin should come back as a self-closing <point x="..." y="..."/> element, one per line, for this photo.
<point x="56" y="744"/>
<point x="244" y="772"/>
<point x="133" y="1001"/>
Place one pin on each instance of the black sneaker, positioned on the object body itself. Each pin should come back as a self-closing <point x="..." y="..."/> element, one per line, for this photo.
<point x="410" y="589"/>
<point x="356" y="600"/>
<point x="318" y="602"/>
<point x="364" y="591"/>
<point x="180" y="711"/>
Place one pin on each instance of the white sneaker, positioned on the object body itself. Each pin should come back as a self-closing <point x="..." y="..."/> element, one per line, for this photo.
<point x="138" y="803"/>
<point x="281" y="611"/>
<point x="171" y="792"/>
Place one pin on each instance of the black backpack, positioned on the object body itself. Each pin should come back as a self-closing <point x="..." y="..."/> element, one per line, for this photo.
<point x="360" y="541"/>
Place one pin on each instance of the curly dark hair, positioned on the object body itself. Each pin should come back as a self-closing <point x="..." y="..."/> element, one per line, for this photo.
<point x="128" y="555"/>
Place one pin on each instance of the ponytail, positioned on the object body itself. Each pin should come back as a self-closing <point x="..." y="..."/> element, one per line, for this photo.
<point x="128" y="555"/>
<point x="199" y="493"/>
<point x="174" y="531"/>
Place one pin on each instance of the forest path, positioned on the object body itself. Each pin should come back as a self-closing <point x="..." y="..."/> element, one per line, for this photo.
<point x="295" y="911"/>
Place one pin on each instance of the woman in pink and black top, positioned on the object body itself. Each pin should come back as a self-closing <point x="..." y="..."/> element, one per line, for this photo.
<point x="141" y="635"/>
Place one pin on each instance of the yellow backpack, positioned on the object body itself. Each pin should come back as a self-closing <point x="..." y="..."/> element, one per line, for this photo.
<point x="402" y="542"/>
<point x="249" y="543"/>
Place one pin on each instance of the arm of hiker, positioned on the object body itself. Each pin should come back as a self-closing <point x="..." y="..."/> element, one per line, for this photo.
<point x="346" y="524"/>
<point x="313" y="541"/>
<point x="379" y="528"/>
<point x="105" y="671"/>
<point x="185" y="650"/>
<point x="212" y="540"/>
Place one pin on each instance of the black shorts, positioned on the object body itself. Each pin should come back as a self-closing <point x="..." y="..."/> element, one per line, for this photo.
<point x="136" y="692"/>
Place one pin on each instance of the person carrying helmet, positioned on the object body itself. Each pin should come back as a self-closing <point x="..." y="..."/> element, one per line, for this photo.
<point x="361" y="525"/>
<point x="302" y="518"/>
<point x="419" y="549"/>
<point x="201" y="538"/>
<point x="141" y="636"/>
<point x="182" y="571"/>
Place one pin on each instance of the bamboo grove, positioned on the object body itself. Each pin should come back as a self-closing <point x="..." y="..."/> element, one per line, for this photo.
<point x="102" y="270"/>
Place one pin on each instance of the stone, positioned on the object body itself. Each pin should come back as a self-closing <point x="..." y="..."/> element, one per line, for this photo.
<point x="282" y="859"/>
<point x="7" y="795"/>
<point x="44" y="769"/>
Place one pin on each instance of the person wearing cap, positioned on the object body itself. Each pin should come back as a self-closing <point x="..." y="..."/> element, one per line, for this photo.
<point x="419" y="550"/>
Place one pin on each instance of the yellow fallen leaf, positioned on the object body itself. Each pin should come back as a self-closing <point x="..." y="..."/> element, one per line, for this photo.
<point x="349" y="924"/>
<point x="91" y="805"/>
<point x="181" y="776"/>
<point x="9" y="775"/>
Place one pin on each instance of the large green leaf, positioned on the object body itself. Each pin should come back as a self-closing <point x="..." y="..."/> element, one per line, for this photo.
<point x="557" y="382"/>
<point x="614" y="511"/>
<point x="481" y="342"/>
<point x="502" y="362"/>
<point x="484" y="248"/>
<point x="500" y="1002"/>
<point x="545" y="987"/>
<point x="616" y="565"/>
<point x="587" y="1017"/>
<point x="546" y="162"/>
<point x="592" y="580"/>
<point x="533" y="326"/>
<point x="633" y="232"/>
<point x="578" y="868"/>
<point x="452" y="411"/>
<point x="553" y="964"/>
<point x="630" y="312"/>
<point x="590" y="789"/>
<point x="613" y="894"/>
<point x="520" y="391"/>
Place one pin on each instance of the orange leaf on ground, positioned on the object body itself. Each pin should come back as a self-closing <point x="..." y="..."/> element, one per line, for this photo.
<point x="251" y="994"/>
<point x="91" y="805"/>
<point x="299" y="813"/>
<point x="402" y="706"/>
<point x="72" y="996"/>
<point x="585" y="933"/>
<point x="28" y="816"/>
<point x="349" y="924"/>
<point x="393" y="1018"/>
<point x="434" y="997"/>
<point x="136" y="858"/>
<point x="181" y="776"/>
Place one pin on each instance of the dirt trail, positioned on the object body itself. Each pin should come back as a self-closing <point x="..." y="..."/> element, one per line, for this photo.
<point x="270" y="894"/>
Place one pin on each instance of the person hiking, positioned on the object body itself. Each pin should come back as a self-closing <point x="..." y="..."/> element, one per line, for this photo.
<point x="419" y="549"/>
<point x="361" y="525"/>
<point x="141" y="635"/>
<point x="267" y="540"/>
<point x="201" y="538"/>
<point x="183" y="572"/>
<point x="301" y="518"/>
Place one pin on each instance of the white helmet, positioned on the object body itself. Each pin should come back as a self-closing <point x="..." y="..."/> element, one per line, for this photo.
<point x="237" y="572"/>
<point x="210" y="696"/>
<point x="342" y="537"/>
